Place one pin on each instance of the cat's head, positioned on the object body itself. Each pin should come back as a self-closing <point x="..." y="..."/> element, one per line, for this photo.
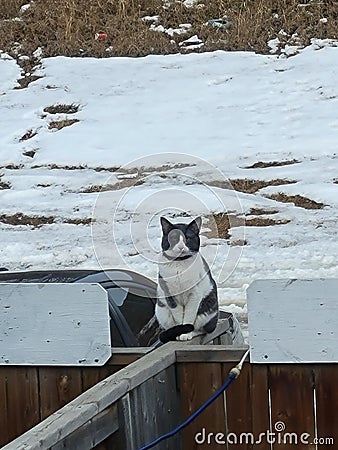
<point x="180" y="240"/>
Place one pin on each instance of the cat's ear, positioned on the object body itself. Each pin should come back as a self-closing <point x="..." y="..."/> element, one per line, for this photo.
<point x="195" y="225"/>
<point x="166" y="225"/>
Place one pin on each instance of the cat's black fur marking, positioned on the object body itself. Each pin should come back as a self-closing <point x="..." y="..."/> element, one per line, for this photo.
<point x="170" y="300"/>
<point x="190" y="231"/>
<point x="174" y="332"/>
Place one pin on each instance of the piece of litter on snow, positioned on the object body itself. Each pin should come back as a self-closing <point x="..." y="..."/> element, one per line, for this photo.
<point x="100" y="36"/>
<point x="24" y="8"/>
<point x="223" y="24"/>
<point x="150" y="18"/>
<point x="192" y="42"/>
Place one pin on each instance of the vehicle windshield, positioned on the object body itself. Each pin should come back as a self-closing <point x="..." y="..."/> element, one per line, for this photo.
<point x="138" y="311"/>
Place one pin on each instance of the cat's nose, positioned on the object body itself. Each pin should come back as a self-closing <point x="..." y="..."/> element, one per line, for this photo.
<point x="180" y="246"/>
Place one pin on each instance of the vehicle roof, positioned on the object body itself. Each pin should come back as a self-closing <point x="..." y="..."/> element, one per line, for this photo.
<point x="117" y="276"/>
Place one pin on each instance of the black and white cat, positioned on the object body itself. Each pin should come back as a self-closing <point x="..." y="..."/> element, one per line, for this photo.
<point x="187" y="303"/>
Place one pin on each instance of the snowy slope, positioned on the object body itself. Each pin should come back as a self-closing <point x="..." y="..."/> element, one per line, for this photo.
<point x="219" y="113"/>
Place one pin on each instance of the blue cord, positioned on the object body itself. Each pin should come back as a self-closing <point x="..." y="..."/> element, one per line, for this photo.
<point x="152" y="444"/>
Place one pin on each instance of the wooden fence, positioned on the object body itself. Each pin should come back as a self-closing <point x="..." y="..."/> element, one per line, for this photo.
<point x="291" y="404"/>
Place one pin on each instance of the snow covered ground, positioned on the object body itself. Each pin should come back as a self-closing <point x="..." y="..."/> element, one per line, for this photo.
<point x="174" y="125"/>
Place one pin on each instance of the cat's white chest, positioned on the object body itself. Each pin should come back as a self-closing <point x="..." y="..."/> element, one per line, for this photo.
<point x="187" y="280"/>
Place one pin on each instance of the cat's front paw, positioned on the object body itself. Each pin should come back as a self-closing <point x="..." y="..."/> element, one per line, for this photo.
<point x="185" y="337"/>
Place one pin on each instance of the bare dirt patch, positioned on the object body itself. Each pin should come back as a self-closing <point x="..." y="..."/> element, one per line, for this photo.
<point x="39" y="221"/>
<point x="125" y="183"/>
<point x="220" y="224"/>
<point x="23" y="219"/>
<point x="78" y="221"/>
<point x="298" y="200"/>
<point x="264" y="222"/>
<point x="265" y="164"/>
<point x="59" y="124"/>
<point x="249" y="186"/>
<point x="62" y="109"/>
<point x="261" y="212"/>
<point x="25" y="81"/>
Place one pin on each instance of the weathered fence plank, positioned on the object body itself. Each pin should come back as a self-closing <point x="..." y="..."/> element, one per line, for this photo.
<point x="92" y="433"/>
<point x="19" y="395"/>
<point x="58" y="386"/>
<point x="292" y="407"/>
<point x="327" y="405"/>
<point x="4" y="428"/>
<point x="197" y="383"/>
<point x="238" y="407"/>
<point x="260" y="404"/>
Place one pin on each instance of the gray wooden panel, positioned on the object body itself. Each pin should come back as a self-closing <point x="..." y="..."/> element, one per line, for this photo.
<point x="92" y="433"/>
<point x="293" y="320"/>
<point x="54" y="324"/>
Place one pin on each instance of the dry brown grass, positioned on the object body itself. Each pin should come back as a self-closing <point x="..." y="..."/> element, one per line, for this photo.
<point x="264" y="164"/>
<point x="26" y="80"/>
<point x="126" y="183"/>
<point x="265" y="222"/>
<point x="62" y="109"/>
<point x="38" y="221"/>
<point x="28" y="135"/>
<point x="298" y="200"/>
<point x="4" y="185"/>
<point x="262" y="212"/>
<point x="247" y="185"/>
<point x="59" y="124"/>
<point x="220" y="224"/>
<point x="68" y="27"/>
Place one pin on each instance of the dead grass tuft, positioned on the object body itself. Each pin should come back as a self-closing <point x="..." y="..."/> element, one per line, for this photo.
<point x="126" y="183"/>
<point x="265" y="222"/>
<point x="4" y="185"/>
<point x="298" y="200"/>
<point x="78" y="221"/>
<point x="59" y="124"/>
<point x="263" y="165"/>
<point x="62" y="109"/>
<point x="25" y="81"/>
<point x="39" y="221"/>
<point x="220" y="224"/>
<point x="23" y="219"/>
<point x="262" y="212"/>
<point x="28" y="135"/>
<point x="249" y="186"/>
<point x="30" y="153"/>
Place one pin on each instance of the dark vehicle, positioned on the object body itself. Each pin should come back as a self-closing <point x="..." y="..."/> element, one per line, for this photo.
<point x="132" y="299"/>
